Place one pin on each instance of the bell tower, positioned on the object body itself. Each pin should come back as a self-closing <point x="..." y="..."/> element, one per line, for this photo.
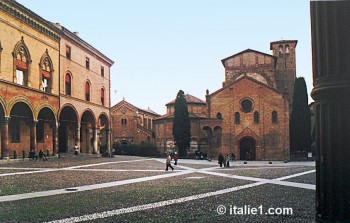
<point x="285" y="73"/>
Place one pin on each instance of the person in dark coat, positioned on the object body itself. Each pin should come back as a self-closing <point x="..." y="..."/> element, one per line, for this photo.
<point x="221" y="159"/>
<point x="42" y="155"/>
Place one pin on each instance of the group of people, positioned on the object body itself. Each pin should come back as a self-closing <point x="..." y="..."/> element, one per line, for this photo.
<point x="224" y="160"/>
<point x="32" y="155"/>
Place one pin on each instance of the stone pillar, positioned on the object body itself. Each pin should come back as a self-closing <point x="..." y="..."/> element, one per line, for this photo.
<point x="94" y="137"/>
<point x="33" y="135"/>
<point x="108" y="140"/>
<point x="331" y="78"/>
<point x="77" y="139"/>
<point x="5" y="138"/>
<point x="55" y="138"/>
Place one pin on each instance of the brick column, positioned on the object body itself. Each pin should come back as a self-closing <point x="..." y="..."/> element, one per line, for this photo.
<point x="331" y="75"/>
<point x="5" y="138"/>
<point x="55" y="138"/>
<point x="108" y="139"/>
<point x="33" y="135"/>
<point x="77" y="139"/>
<point x="94" y="137"/>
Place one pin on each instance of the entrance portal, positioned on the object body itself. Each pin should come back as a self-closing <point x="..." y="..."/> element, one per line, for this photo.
<point x="247" y="148"/>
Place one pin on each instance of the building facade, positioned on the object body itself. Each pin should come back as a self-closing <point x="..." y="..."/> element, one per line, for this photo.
<point x="29" y="80"/>
<point x="249" y="115"/>
<point x="132" y="125"/>
<point x="46" y="98"/>
<point x="163" y="126"/>
<point x="84" y="96"/>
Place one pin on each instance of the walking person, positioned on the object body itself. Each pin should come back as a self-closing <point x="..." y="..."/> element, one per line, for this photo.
<point x="220" y="159"/>
<point x="168" y="163"/>
<point x="227" y="160"/>
<point x="176" y="157"/>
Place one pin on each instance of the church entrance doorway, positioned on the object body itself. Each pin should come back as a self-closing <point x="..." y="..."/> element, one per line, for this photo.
<point x="247" y="147"/>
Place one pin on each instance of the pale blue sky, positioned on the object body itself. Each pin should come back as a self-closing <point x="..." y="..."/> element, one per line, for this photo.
<point x="160" y="46"/>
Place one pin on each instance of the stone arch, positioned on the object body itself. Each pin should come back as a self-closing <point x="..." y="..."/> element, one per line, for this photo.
<point x="88" y="132"/>
<point x="22" y="127"/>
<point x="103" y="114"/>
<point x="45" y="105"/>
<point x="46" y="129"/>
<point x="104" y="132"/>
<point x="3" y="105"/>
<point x="23" y="99"/>
<point x="68" y="130"/>
<point x="92" y="116"/>
<point x="73" y="108"/>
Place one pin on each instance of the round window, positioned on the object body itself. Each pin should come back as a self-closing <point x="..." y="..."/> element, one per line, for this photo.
<point x="247" y="105"/>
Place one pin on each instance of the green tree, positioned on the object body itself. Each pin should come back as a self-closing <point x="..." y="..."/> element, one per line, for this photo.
<point x="300" y="119"/>
<point x="181" y="124"/>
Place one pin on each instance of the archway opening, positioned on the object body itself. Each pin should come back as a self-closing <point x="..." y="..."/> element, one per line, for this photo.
<point x="104" y="128"/>
<point x="68" y="122"/>
<point x="21" y="126"/>
<point x="247" y="148"/>
<point x="46" y="130"/>
<point x="88" y="135"/>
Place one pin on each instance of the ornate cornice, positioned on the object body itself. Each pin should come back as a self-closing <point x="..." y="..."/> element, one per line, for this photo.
<point x="28" y="17"/>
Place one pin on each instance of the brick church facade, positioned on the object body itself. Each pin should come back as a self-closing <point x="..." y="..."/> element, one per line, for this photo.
<point x="249" y="115"/>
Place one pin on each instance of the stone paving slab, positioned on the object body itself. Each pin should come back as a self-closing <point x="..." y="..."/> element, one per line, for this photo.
<point x="113" y="197"/>
<point x="20" y="184"/>
<point x="269" y="173"/>
<point x="205" y="210"/>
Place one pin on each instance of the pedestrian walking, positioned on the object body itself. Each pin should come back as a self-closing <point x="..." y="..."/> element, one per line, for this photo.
<point x="220" y="159"/>
<point x="168" y="163"/>
<point x="227" y="161"/>
<point x="176" y="157"/>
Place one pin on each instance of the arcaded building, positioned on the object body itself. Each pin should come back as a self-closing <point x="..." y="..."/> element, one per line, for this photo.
<point x="29" y="81"/>
<point x="84" y="96"/>
<point x="54" y="87"/>
<point x="132" y="125"/>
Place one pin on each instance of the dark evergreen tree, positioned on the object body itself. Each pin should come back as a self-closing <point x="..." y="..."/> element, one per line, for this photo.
<point x="300" y="119"/>
<point x="181" y="124"/>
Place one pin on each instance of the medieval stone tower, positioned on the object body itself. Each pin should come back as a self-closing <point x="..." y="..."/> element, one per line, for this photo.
<point x="285" y="72"/>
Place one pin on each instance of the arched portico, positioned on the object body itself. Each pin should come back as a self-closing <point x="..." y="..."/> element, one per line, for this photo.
<point x="88" y="132"/>
<point x="3" y="133"/>
<point x="46" y="130"/>
<point x="105" y="133"/>
<point x="21" y="127"/>
<point x="68" y="130"/>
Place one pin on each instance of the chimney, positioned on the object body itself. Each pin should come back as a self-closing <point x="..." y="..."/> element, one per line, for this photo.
<point x="76" y="33"/>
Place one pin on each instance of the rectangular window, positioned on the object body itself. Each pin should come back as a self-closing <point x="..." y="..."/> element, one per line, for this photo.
<point x="102" y="71"/>
<point x="87" y="63"/>
<point x="19" y="77"/>
<point x="68" y="52"/>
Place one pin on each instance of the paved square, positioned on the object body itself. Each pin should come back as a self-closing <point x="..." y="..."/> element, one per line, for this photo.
<point x="137" y="189"/>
